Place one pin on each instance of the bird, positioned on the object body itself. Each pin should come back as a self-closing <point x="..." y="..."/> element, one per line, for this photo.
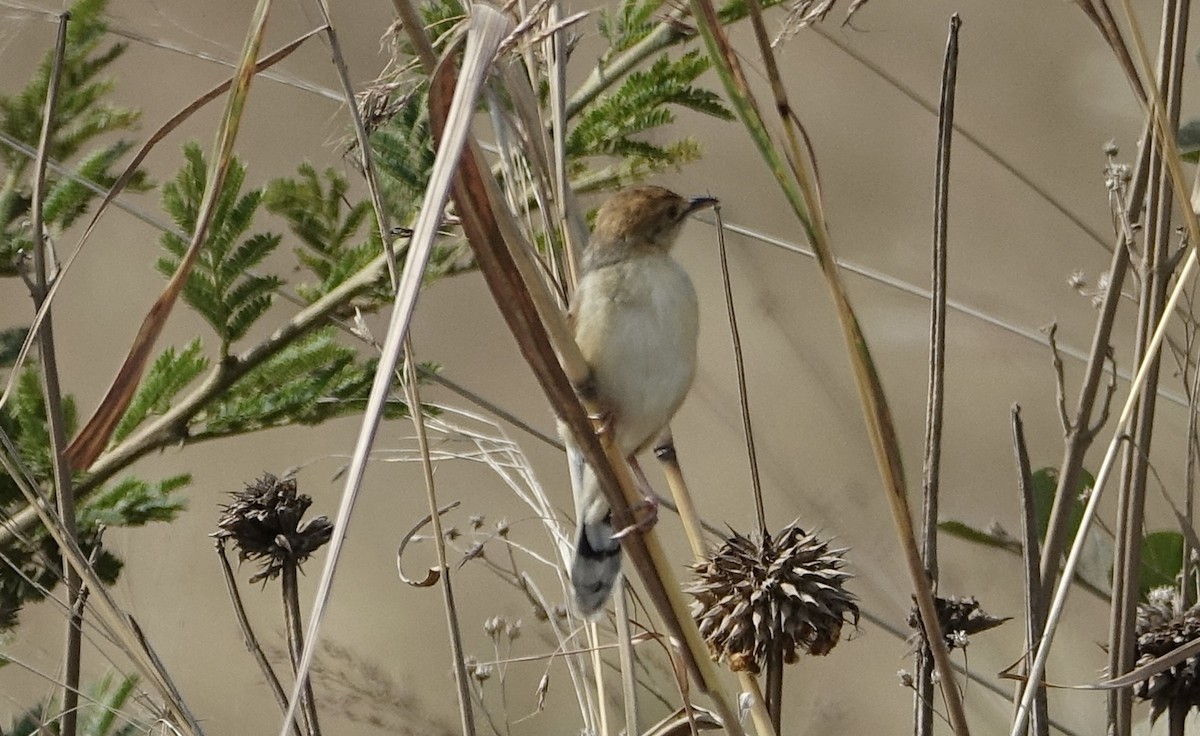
<point x="635" y="317"/>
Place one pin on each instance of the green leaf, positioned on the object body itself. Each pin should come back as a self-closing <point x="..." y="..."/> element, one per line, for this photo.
<point x="169" y="375"/>
<point x="1189" y="141"/>
<point x="629" y="23"/>
<point x="83" y="115"/>
<point x="1045" y="485"/>
<point x="220" y="286"/>
<point x="1162" y="559"/>
<point x="11" y="340"/>
<point x="969" y="533"/>
<point x="135" y="502"/>
<point x="24" y="420"/>
<point x="312" y="380"/>
<point x="613" y="124"/>
<point x="328" y="228"/>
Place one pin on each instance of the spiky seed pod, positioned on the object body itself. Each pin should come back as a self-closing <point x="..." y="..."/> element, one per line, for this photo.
<point x="1161" y="628"/>
<point x="784" y="591"/>
<point x="264" y="522"/>
<point x="959" y="618"/>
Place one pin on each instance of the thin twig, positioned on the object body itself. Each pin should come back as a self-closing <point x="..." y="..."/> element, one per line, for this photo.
<point x="52" y="392"/>
<point x="1155" y="278"/>
<point x="290" y="589"/>
<point x="1060" y="381"/>
<point x="489" y="405"/>
<point x="248" y="635"/>
<point x="935" y="394"/>
<point x="1184" y="599"/>
<point x="1079" y="438"/>
<point x="740" y="364"/>
<point x="365" y="152"/>
<point x="461" y="681"/>
<point x="1032" y="553"/>
<point x="764" y="724"/>
<point x="626" y="656"/>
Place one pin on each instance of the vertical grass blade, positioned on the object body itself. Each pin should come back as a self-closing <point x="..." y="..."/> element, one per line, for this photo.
<point x="487" y="28"/>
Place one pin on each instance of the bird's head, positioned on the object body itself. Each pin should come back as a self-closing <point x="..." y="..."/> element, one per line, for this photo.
<point x="644" y="216"/>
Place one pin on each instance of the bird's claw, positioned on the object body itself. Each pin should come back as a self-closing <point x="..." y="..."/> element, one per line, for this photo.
<point x="602" y="423"/>
<point x="649" y="507"/>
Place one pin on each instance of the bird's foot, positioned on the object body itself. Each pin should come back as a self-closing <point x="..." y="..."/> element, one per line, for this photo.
<point x="649" y="510"/>
<point x="602" y="423"/>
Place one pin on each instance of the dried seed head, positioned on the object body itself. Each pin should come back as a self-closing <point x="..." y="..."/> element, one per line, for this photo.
<point x="784" y="591"/>
<point x="264" y="523"/>
<point x="493" y="626"/>
<point x="1160" y="629"/>
<point x="512" y="629"/>
<point x="958" y="618"/>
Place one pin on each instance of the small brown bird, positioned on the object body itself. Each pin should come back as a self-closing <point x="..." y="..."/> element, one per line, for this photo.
<point x="636" y="320"/>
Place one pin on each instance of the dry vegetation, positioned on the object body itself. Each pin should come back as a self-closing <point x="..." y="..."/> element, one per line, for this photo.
<point x="710" y="652"/>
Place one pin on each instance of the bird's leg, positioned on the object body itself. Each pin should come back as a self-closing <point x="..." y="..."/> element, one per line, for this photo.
<point x="649" y="506"/>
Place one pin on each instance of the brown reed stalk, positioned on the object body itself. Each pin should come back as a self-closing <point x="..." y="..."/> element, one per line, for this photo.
<point x="935" y="394"/>
<point x="1155" y="274"/>
<point x="52" y="393"/>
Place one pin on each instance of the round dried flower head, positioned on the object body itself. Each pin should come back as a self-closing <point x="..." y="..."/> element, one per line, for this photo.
<point x="784" y="591"/>
<point x="1161" y="628"/>
<point x="264" y="523"/>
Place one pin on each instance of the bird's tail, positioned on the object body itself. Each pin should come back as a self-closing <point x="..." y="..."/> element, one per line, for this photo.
<point x="597" y="558"/>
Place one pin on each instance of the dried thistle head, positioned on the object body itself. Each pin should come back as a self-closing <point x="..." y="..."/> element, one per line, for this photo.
<point x="1161" y="628"/>
<point x="264" y="523"/>
<point x="958" y="618"/>
<point x="785" y="591"/>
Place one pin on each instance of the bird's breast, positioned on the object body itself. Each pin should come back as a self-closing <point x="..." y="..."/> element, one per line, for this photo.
<point x="637" y="323"/>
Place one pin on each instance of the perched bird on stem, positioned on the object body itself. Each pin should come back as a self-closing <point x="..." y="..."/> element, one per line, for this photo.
<point x="635" y="317"/>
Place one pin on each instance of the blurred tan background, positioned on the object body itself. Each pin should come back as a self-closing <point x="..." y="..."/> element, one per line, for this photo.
<point x="1036" y="83"/>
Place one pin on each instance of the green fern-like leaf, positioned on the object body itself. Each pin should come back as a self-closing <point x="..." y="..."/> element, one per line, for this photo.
<point x="23" y="419"/>
<point x="11" y="340"/>
<point x="32" y="564"/>
<point x="316" y="209"/>
<point x="629" y="23"/>
<point x="614" y="124"/>
<point x="314" y="379"/>
<point x="135" y="502"/>
<point x="67" y="199"/>
<point x="82" y="114"/>
<point x="220" y="286"/>
<point x="404" y="151"/>
<point x="171" y="373"/>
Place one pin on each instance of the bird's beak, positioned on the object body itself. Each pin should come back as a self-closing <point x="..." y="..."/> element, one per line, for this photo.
<point x="699" y="203"/>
